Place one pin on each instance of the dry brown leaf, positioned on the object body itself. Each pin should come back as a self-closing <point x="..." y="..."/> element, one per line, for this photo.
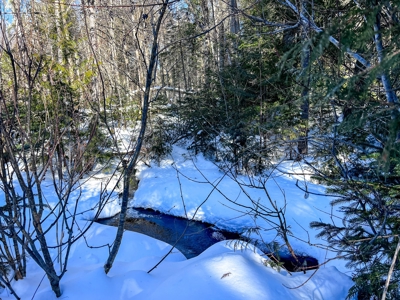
<point x="226" y="275"/>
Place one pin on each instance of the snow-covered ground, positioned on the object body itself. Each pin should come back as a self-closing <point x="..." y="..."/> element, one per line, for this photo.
<point x="180" y="185"/>
<point x="183" y="185"/>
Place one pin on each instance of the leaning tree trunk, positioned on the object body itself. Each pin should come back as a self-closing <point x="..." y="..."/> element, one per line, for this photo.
<point x="129" y="168"/>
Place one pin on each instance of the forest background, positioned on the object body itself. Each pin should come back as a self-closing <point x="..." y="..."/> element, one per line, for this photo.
<point x="246" y="83"/>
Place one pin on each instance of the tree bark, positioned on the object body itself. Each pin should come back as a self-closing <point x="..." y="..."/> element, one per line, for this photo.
<point x="129" y="168"/>
<point x="302" y="145"/>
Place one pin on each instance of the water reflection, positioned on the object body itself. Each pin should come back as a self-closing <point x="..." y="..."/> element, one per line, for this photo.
<point x="197" y="236"/>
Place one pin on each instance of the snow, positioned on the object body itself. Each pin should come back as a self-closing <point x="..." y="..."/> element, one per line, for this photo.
<point x="180" y="185"/>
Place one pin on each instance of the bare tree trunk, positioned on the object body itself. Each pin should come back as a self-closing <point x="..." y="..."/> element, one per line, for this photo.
<point x="302" y="145"/>
<point x="129" y="168"/>
<point x="234" y="17"/>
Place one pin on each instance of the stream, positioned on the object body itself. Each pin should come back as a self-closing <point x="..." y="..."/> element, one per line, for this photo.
<point x="197" y="237"/>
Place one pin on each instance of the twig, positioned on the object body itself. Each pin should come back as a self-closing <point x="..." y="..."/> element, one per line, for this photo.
<point x="187" y="224"/>
<point x="114" y="6"/>
<point x="296" y="287"/>
<point x="308" y="279"/>
<point x="369" y="239"/>
<point x="396" y="253"/>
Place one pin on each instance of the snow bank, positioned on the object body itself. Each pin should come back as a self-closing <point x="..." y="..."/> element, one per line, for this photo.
<point x="220" y="272"/>
<point x="181" y="186"/>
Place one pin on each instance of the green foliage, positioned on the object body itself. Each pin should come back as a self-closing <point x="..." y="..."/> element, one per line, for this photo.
<point x="277" y="265"/>
<point x="360" y="152"/>
<point x="162" y="136"/>
<point x="244" y="103"/>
